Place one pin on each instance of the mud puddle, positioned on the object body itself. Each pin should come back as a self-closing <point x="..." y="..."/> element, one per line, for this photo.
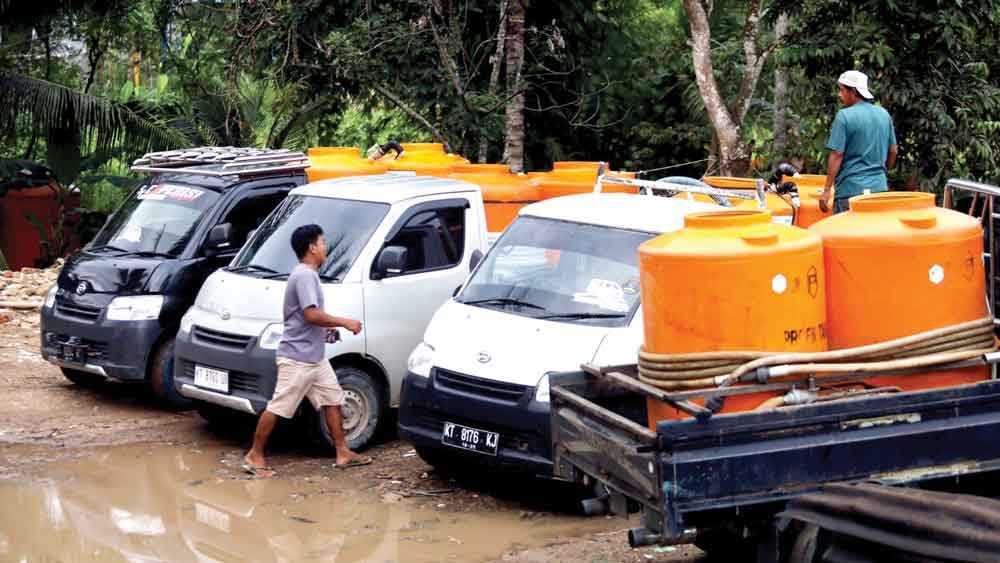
<point x="176" y="503"/>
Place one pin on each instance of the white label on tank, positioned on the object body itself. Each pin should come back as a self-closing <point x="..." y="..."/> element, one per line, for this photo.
<point x="779" y="284"/>
<point x="936" y="274"/>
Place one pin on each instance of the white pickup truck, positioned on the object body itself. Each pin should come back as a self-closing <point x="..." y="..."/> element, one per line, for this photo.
<point x="399" y="245"/>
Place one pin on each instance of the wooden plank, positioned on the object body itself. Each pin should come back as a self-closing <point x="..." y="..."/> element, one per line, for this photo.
<point x="644" y="434"/>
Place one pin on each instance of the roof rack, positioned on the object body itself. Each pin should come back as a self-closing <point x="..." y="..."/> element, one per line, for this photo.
<point x="234" y="161"/>
<point x="651" y="187"/>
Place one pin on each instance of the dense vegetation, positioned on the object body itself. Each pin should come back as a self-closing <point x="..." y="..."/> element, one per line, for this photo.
<point x="86" y="85"/>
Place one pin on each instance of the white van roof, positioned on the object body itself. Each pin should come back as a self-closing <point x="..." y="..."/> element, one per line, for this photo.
<point x="653" y="214"/>
<point x="390" y="188"/>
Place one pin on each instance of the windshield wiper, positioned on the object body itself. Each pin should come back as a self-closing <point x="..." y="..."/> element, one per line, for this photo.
<point x="107" y="247"/>
<point x="329" y="278"/>
<point x="150" y="253"/>
<point x="574" y="316"/>
<point x="254" y="267"/>
<point x="503" y="301"/>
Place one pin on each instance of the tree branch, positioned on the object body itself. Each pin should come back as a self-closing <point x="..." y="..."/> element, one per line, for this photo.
<point x="413" y="115"/>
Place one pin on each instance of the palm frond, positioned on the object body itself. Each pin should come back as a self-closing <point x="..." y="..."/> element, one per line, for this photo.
<point x="52" y="106"/>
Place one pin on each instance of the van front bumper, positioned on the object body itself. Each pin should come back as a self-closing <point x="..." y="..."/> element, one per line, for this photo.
<point x="114" y="349"/>
<point x="427" y="403"/>
<point x="251" y="369"/>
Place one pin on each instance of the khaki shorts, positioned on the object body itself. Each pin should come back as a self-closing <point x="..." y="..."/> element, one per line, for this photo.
<point x="297" y="379"/>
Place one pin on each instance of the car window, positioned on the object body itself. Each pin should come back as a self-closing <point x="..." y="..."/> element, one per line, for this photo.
<point x="248" y="214"/>
<point x="434" y="239"/>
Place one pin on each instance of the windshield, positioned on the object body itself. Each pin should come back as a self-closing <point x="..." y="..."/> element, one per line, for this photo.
<point x="560" y="271"/>
<point x="155" y="219"/>
<point x="347" y="226"/>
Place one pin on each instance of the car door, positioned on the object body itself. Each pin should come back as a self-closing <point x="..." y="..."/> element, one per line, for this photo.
<point x="438" y="237"/>
<point x="245" y="214"/>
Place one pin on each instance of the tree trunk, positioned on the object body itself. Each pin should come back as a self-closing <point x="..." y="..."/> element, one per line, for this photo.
<point x="780" y="97"/>
<point x="514" y="150"/>
<point x="734" y="154"/>
<point x="497" y="60"/>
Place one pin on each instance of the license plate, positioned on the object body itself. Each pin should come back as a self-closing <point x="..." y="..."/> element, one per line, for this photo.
<point x="471" y="439"/>
<point x="209" y="378"/>
<point x="73" y="353"/>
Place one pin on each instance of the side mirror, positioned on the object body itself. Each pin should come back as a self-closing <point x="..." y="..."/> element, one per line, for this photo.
<point x="219" y="238"/>
<point x="391" y="261"/>
<point x="475" y="259"/>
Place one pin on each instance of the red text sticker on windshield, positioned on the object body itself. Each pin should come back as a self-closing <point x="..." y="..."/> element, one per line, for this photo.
<point x="166" y="191"/>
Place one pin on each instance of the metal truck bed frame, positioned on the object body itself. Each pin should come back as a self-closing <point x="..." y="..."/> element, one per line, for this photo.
<point x="698" y="473"/>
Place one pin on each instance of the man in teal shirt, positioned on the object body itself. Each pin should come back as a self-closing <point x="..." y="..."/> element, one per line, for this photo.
<point x="862" y="144"/>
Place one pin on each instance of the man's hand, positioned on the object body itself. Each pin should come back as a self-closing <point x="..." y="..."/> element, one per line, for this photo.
<point x="824" y="200"/>
<point x="352" y="325"/>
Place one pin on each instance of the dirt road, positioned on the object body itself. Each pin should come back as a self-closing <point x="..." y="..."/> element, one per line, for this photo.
<point x="107" y="475"/>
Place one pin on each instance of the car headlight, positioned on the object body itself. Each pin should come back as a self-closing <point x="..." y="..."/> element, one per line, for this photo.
<point x="271" y="337"/>
<point x="542" y="389"/>
<point x="50" y="297"/>
<point x="421" y="360"/>
<point x="137" y="308"/>
<point x="187" y="321"/>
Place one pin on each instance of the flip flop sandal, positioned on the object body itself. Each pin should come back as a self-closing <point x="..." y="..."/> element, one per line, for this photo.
<point x="354" y="463"/>
<point x="258" y="472"/>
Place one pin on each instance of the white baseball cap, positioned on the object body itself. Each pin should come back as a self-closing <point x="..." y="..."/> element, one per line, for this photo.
<point x="857" y="80"/>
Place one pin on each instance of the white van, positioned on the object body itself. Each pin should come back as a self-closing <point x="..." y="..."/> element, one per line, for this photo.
<point x="399" y="245"/>
<point x="558" y="289"/>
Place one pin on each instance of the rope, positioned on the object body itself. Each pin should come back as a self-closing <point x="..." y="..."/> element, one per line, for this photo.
<point x="681" y="165"/>
<point x="949" y="344"/>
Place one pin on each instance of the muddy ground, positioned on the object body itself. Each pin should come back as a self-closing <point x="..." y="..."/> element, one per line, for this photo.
<point x="108" y="475"/>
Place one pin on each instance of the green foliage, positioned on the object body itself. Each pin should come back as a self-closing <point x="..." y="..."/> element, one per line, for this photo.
<point x="932" y="65"/>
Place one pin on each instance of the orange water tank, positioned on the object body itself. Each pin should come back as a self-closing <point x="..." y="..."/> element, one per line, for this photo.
<point x="427" y="159"/>
<point x="337" y="162"/>
<point x="576" y="177"/>
<point x="732" y="281"/>
<point x="897" y="265"/>
<point x="810" y="188"/>
<point x="779" y="208"/>
<point x="20" y="239"/>
<point x="503" y="193"/>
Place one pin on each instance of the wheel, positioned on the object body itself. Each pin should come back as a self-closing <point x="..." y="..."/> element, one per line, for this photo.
<point x="805" y="548"/>
<point x="82" y="378"/>
<point x="444" y="462"/>
<point x="363" y="410"/>
<point x="161" y="377"/>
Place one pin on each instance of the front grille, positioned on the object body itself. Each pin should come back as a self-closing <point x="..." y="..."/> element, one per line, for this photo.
<point x="238" y="380"/>
<point x="78" y="311"/>
<point x="509" y="392"/>
<point x="96" y="350"/>
<point x="221" y="339"/>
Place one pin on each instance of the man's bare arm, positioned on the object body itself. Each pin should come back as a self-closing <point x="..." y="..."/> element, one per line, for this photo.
<point x="316" y="317"/>
<point x="890" y="160"/>
<point x="833" y="163"/>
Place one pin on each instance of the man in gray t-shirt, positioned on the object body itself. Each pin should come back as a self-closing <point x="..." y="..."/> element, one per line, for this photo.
<point x="303" y="371"/>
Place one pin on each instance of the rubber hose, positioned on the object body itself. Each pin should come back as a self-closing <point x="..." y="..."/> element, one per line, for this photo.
<point x="698" y="370"/>
<point x="685" y="181"/>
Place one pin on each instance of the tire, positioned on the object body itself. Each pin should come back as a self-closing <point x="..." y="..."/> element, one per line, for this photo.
<point x="363" y="411"/>
<point x="444" y="462"/>
<point x="83" y="379"/>
<point x="161" y="377"/>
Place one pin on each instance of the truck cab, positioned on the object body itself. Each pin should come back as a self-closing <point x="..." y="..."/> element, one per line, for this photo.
<point x="117" y="304"/>
<point x="559" y="288"/>
<point x="398" y="245"/>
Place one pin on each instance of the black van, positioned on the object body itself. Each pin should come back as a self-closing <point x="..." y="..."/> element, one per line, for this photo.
<point x="118" y="302"/>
